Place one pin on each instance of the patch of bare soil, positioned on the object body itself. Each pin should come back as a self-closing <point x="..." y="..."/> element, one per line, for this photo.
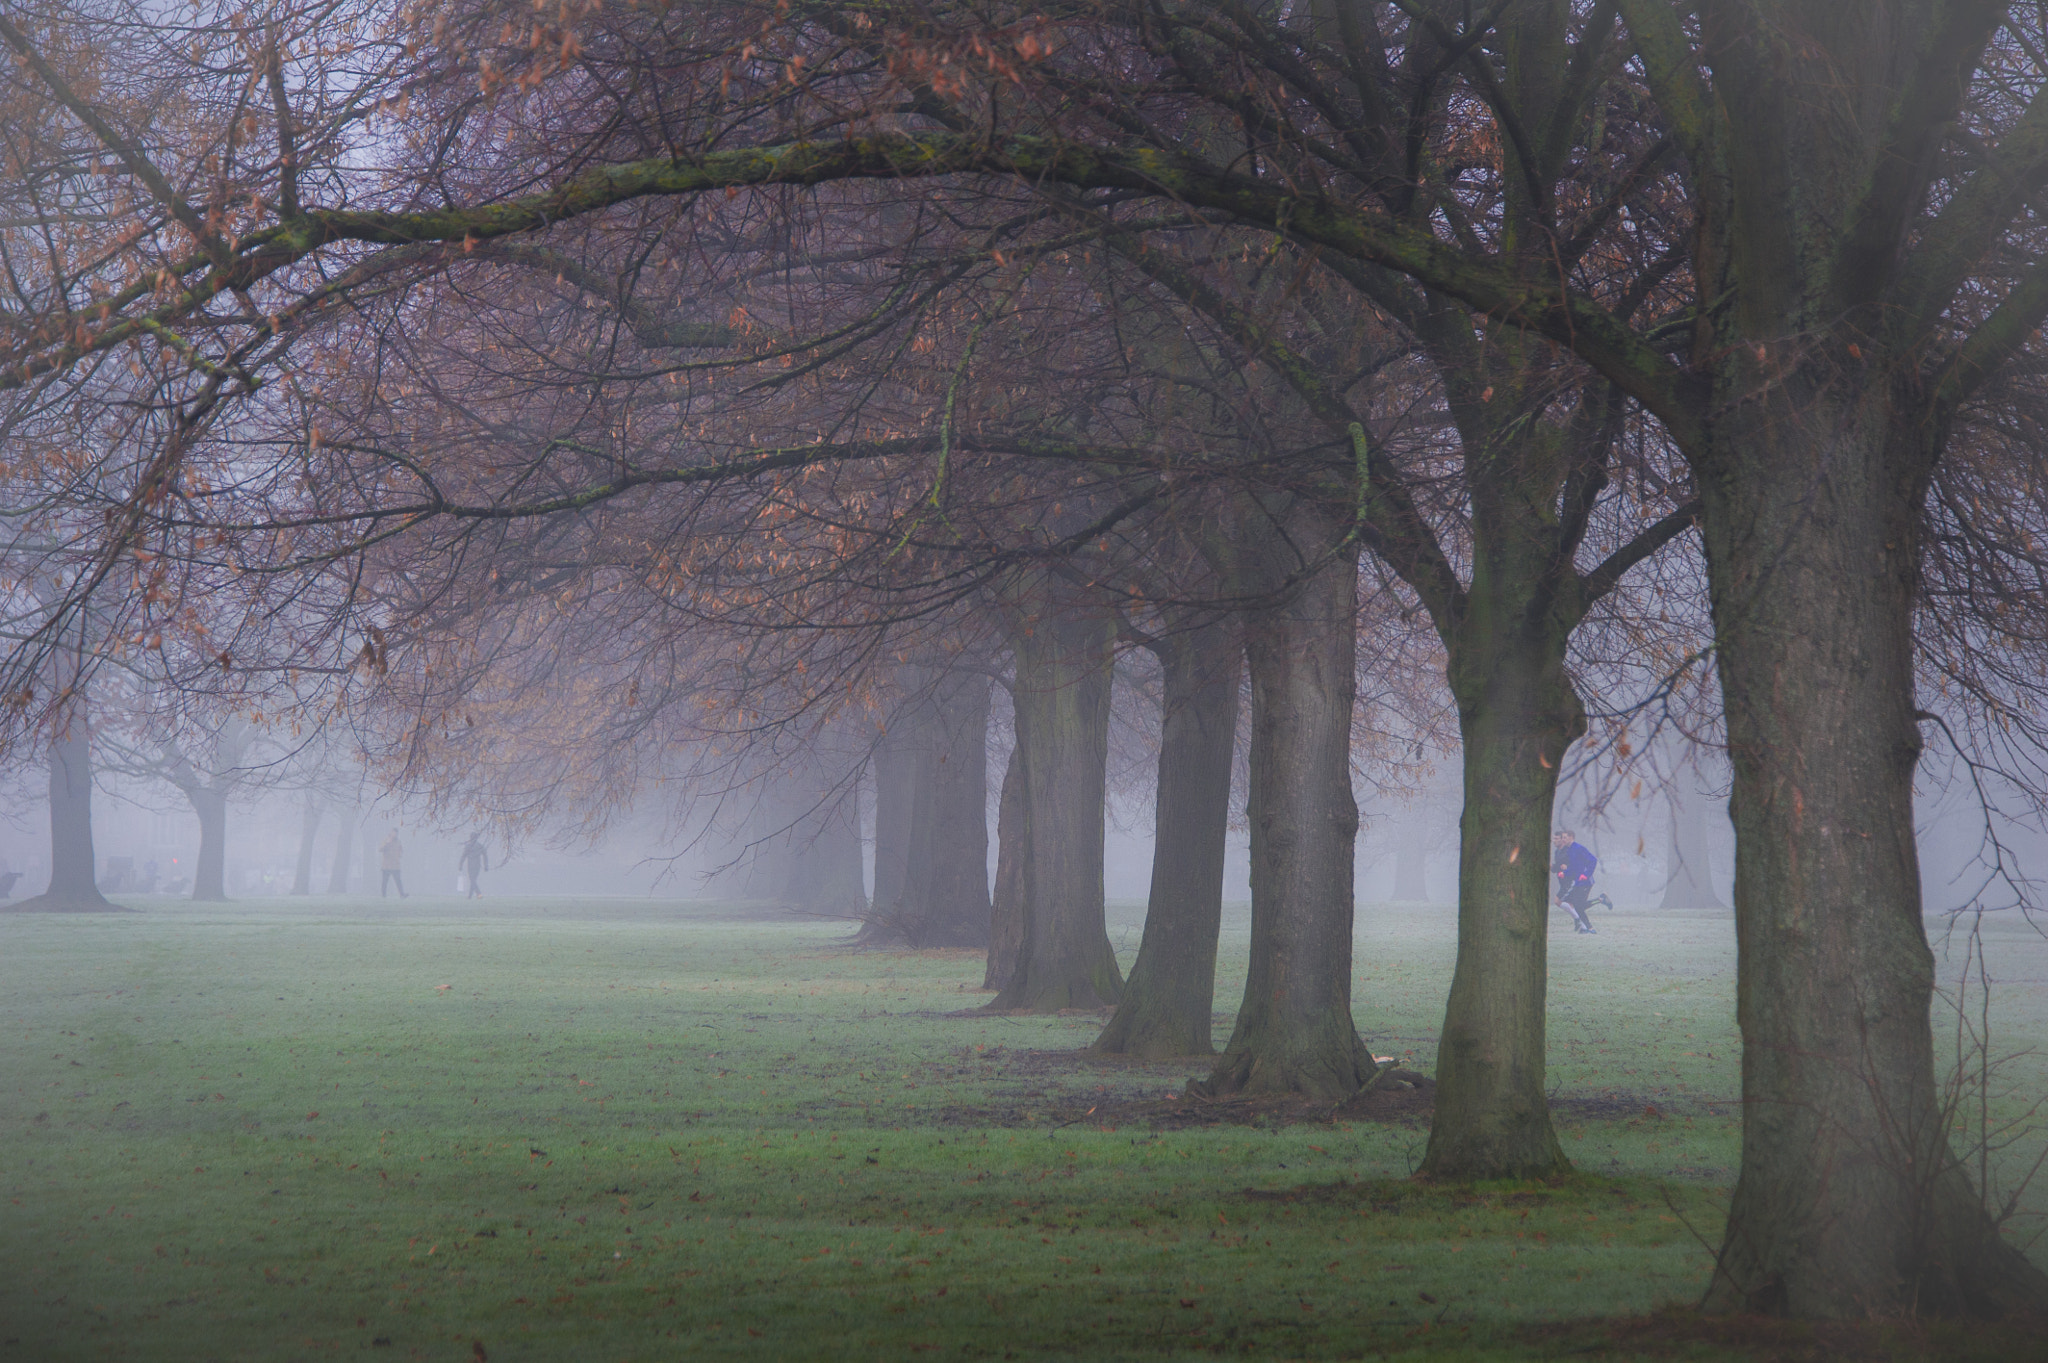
<point x="1684" y="1333"/>
<point x="1032" y="1089"/>
<point x="1041" y="1099"/>
<point x="1390" y="1196"/>
<point x="1401" y="1097"/>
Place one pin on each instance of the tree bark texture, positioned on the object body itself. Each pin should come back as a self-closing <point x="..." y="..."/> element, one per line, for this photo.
<point x="344" y="845"/>
<point x="73" y="886"/>
<point x="1061" y="694"/>
<point x="1530" y="474"/>
<point x="1008" y="909"/>
<point x="1825" y="401"/>
<point x="309" y="829"/>
<point x="1517" y="713"/>
<point x="1294" y="1031"/>
<point x="1850" y="1201"/>
<point x="1169" y="1001"/>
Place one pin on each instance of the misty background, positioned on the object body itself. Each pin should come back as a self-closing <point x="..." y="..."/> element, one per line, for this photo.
<point x="1407" y="850"/>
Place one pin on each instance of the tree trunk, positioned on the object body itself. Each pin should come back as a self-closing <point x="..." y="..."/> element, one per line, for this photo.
<point x="1517" y="713"/>
<point x="344" y="846"/>
<point x="759" y="871"/>
<point x="953" y="895"/>
<point x="1850" y="1201"/>
<point x="1294" y="1031"/>
<point x="1170" y="998"/>
<point x="824" y="877"/>
<point x="801" y="846"/>
<point x="1062" y="704"/>
<point x="1505" y="644"/>
<point x="73" y="886"/>
<point x="938" y="855"/>
<point x="1009" y="908"/>
<point x="1689" y="879"/>
<point x="209" y="872"/>
<point x="309" y="827"/>
<point x="895" y="793"/>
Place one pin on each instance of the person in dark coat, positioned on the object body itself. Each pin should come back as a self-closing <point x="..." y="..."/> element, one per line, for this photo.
<point x="475" y="861"/>
<point x="1572" y="866"/>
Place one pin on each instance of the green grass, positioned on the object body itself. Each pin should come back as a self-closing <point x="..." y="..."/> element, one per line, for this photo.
<point x="632" y="1130"/>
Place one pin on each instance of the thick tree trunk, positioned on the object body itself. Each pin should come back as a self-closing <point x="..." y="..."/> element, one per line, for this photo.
<point x="1062" y="704"/>
<point x="1170" y="997"/>
<point x="953" y="887"/>
<point x="1505" y="643"/>
<point x="1517" y="713"/>
<point x="73" y="887"/>
<point x="309" y="828"/>
<point x="1294" y="1031"/>
<point x="209" y="872"/>
<point x="1850" y="1201"/>
<point x="938" y="750"/>
<point x="1009" y="908"/>
<point x="344" y="846"/>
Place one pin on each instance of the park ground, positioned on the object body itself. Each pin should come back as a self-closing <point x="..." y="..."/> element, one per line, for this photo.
<point x="525" y="1129"/>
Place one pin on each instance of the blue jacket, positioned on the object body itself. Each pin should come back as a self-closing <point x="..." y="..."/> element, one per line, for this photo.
<point x="1573" y="866"/>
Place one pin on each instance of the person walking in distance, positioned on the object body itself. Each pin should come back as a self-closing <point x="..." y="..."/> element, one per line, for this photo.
<point x="475" y="861"/>
<point x="1572" y="867"/>
<point x="393" y="853"/>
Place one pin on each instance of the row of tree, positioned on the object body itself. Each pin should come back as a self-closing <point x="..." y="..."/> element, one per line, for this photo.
<point x="597" y="399"/>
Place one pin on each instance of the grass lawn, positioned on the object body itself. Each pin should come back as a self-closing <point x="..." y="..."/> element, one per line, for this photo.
<point x="621" y="1129"/>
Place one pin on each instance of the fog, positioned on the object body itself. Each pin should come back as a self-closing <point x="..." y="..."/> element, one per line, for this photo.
<point x="1970" y="855"/>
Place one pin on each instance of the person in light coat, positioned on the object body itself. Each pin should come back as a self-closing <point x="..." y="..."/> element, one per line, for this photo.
<point x="392" y="854"/>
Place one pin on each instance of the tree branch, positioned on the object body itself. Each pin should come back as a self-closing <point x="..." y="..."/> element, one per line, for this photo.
<point x="1608" y="574"/>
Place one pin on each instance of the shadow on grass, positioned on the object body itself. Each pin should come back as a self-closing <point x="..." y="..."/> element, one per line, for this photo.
<point x="1679" y="1332"/>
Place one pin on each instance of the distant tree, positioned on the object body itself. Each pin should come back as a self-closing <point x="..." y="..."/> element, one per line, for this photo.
<point x="73" y="886"/>
<point x="794" y="830"/>
<point x="210" y="760"/>
<point x="1063" y="644"/>
<point x="1169" y="999"/>
<point x="930" y="769"/>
